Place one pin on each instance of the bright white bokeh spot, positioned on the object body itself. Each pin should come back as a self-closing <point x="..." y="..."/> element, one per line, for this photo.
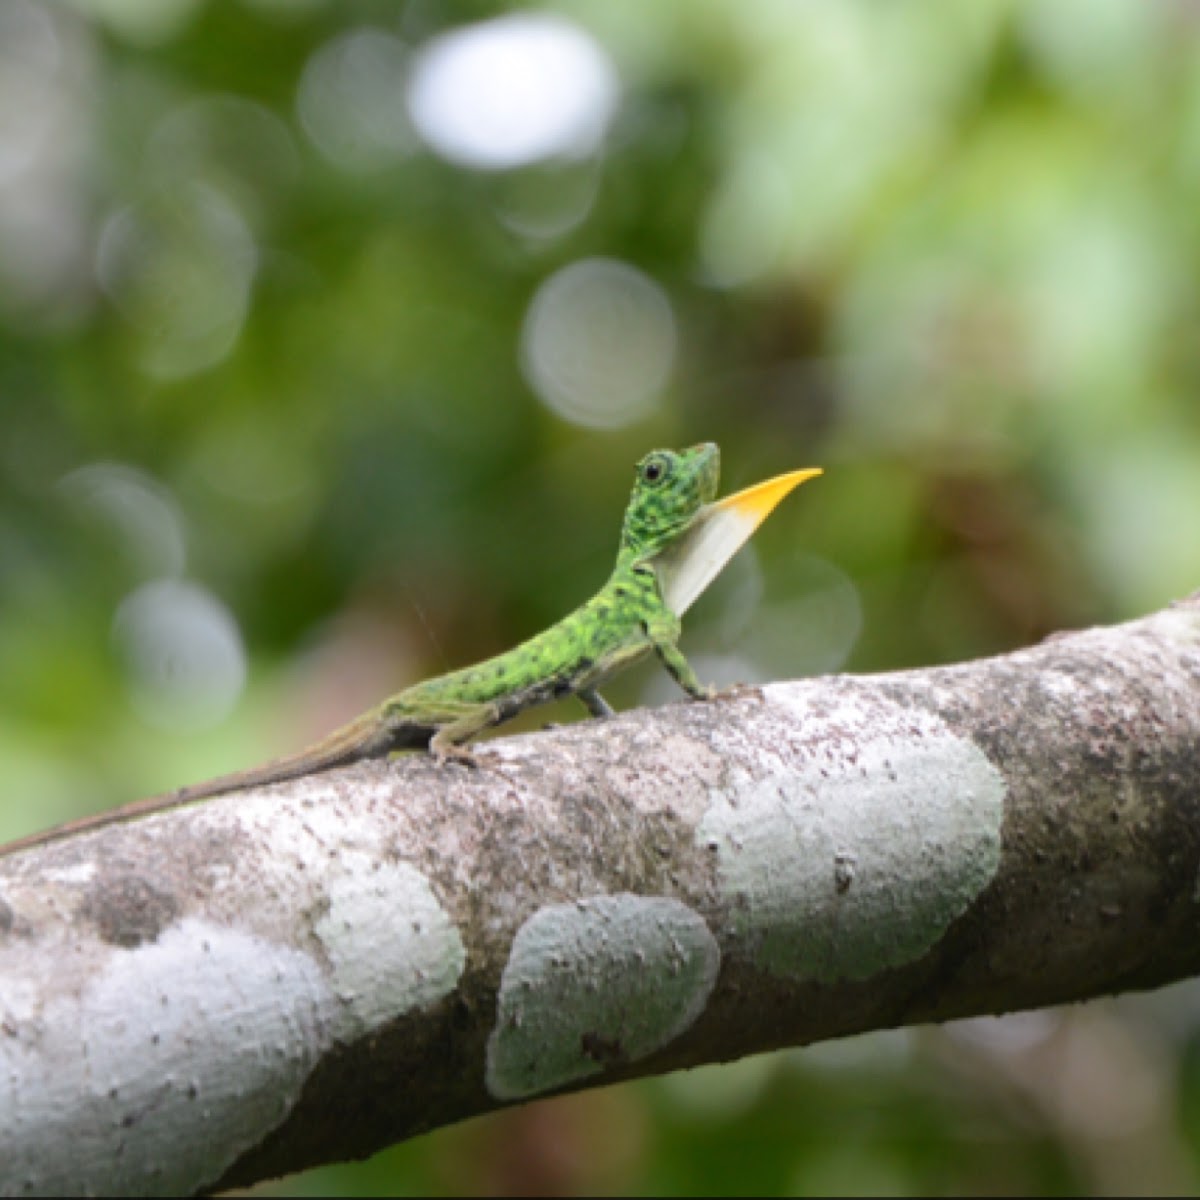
<point x="513" y="91"/>
<point x="352" y="100"/>
<point x="183" y="654"/>
<point x="180" y="268"/>
<point x="137" y="508"/>
<point x="599" y="343"/>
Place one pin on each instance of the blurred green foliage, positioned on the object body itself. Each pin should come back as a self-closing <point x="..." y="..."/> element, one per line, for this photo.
<point x="302" y="399"/>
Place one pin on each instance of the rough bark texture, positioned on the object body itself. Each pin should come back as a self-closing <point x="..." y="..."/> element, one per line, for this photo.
<point x="308" y="972"/>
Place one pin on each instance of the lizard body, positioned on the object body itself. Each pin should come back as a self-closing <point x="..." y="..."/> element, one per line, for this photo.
<point x="625" y="621"/>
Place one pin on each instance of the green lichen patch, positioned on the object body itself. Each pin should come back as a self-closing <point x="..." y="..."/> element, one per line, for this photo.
<point x="859" y="856"/>
<point x="590" y="985"/>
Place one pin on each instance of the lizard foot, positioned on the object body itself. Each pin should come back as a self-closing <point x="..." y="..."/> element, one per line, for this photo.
<point x="447" y="752"/>
<point x="490" y="761"/>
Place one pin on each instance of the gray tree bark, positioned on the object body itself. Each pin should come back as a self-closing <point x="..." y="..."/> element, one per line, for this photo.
<point x="308" y="972"/>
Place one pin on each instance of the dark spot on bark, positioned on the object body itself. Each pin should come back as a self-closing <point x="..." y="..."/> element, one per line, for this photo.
<point x="844" y="866"/>
<point x="128" y="910"/>
<point x="601" y="1049"/>
<point x="6" y="916"/>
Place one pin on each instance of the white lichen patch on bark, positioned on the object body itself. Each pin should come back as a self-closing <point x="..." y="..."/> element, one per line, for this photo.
<point x="177" y="1033"/>
<point x="162" y="1070"/>
<point x="879" y="829"/>
<point x="389" y="946"/>
<point x="383" y="968"/>
<point x="594" y="984"/>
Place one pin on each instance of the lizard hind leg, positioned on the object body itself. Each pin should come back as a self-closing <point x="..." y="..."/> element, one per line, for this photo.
<point x="447" y="743"/>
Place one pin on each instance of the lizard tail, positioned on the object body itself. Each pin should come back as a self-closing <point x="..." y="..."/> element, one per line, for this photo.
<point x="370" y="736"/>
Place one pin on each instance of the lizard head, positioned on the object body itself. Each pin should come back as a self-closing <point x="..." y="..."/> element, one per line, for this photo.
<point x="670" y="487"/>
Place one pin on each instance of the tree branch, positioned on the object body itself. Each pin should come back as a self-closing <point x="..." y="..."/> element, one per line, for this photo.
<point x="308" y="972"/>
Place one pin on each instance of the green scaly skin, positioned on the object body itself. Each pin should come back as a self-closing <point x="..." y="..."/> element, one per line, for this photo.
<point x="622" y="623"/>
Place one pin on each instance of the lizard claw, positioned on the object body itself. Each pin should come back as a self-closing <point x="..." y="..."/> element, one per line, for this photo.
<point x="490" y="761"/>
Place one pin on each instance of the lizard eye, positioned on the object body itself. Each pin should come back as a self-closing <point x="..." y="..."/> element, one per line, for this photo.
<point x="654" y="470"/>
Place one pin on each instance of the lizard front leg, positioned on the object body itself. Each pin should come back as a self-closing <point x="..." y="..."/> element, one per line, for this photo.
<point x="663" y="631"/>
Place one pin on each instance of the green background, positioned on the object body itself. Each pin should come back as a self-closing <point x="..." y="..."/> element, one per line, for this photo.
<point x="300" y="403"/>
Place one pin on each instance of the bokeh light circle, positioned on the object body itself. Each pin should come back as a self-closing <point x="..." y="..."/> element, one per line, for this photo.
<point x="513" y="91"/>
<point x="183" y="653"/>
<point x="599" y="343"/>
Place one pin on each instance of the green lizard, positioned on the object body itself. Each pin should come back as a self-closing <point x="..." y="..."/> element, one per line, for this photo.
<point x="628" y="619"/>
